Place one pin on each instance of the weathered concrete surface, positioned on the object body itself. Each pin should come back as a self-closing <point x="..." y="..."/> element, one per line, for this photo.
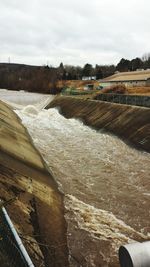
<point x="39" y="212"/>
<point x="135" y="100"/>
<point x="128" y="122"/>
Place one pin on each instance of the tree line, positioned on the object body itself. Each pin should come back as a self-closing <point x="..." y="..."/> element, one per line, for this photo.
<point x="44" y="79"/>
<point x="102" y="71"/>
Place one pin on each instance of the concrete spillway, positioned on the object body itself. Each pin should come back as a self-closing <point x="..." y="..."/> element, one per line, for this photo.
<point x="128" y="122"/>
<point x="20" y="99"/>
<point x="103" y="180"/>
<point x="39" y="212"/>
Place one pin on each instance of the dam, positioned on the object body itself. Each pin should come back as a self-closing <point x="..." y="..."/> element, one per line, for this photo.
<point x="104" y="180"/>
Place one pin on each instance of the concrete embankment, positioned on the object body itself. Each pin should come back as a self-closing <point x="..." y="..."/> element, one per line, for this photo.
<point x="38" y="213"/>
<point x="130" y="123"/>
<point x="135" y="100"/>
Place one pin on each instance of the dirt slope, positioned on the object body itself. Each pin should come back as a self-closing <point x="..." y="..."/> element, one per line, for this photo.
<point x="38" y="213"/>
<point x="81" y="84"/>
<point x="128" y="122"/>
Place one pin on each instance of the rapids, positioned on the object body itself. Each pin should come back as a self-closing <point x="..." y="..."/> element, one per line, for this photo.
<point x="105" y="182"/>
<point x="20" y="99"/>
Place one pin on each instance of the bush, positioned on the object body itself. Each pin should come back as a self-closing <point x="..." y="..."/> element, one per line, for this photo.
<point x="115" y="89"/>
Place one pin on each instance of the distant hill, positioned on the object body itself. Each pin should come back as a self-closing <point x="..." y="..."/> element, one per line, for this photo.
<point x="29" y="78"/>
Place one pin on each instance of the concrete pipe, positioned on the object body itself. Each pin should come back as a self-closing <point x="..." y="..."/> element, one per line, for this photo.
<point x="135" y="255"/>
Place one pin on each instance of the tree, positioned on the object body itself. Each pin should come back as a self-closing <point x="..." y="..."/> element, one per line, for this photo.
<point x="123" y="65"/>
<point x="135" y="64"/>
<point x="105" y="70"/>
<point x="146" y="61"/>
<point x="61" y="72"/>
<point x="146" y="57"/>
<point x="98" y="72"/>
<point x="87" y="70"/>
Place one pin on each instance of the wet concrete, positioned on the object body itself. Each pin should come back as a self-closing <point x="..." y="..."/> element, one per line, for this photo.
<point x="130" y="123"/>
<point x="19" y="156"/>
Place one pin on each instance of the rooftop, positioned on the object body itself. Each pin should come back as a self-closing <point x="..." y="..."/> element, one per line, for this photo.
<point x="142" y="75"/>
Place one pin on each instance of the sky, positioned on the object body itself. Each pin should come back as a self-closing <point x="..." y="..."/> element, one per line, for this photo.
<point x="75" y="32"/>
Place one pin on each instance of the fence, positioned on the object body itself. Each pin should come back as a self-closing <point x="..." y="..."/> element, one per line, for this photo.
<point x="12" y="251"/>
<point x="135" y="100"/>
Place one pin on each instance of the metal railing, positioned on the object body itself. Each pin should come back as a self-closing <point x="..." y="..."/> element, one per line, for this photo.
<point x="134" y="100"/>
<point x="12" y="251"/>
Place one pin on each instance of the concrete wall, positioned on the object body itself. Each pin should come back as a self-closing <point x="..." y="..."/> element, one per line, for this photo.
<point x="18" y="154"/>
<point x="134" y="83"/>
<point x="135" y="100"/>
<point x="148" y="82"/>
<point x="129" y="123"/>
<point x="126" y="83"/>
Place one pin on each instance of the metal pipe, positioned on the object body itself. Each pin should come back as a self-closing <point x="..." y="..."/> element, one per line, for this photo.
<point x="17" y="238"/>
<point x="135" y="255"/>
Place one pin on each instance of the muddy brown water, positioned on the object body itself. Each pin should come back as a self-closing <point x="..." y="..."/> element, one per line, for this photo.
<point x="106" y="185"/>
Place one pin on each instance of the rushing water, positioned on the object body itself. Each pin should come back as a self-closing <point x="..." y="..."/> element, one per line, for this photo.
<point x="106" y="185"/>
<point x="20" y="99"/>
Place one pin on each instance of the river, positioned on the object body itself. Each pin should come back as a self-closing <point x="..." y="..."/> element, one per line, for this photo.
<point x="105" y="182"/>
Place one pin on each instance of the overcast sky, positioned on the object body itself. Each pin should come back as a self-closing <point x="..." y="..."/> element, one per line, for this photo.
<point x="74" y="32"/>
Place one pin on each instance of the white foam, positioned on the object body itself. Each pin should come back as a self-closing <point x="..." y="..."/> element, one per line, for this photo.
<point x="19" y="99"/>
<point x="30" y="110"/>
<point x="100" y="223"/>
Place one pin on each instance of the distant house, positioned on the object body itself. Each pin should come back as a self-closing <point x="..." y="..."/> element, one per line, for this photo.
<point x="88" y="78"/>
<point x="89" y="87"/>
<point x="132" y="78"/>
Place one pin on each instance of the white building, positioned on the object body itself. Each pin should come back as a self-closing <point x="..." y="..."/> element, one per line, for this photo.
<point x="131" y="78"/>
<point x="88" y="78"/>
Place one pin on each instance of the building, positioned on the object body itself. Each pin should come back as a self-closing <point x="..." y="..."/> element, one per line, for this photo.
<point x="89" y="87"/>
<point x="88" y="78"/>
<point x="131" y="78"/>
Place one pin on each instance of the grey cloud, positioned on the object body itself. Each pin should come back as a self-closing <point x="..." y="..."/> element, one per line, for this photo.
<point x="73" y="31"/>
